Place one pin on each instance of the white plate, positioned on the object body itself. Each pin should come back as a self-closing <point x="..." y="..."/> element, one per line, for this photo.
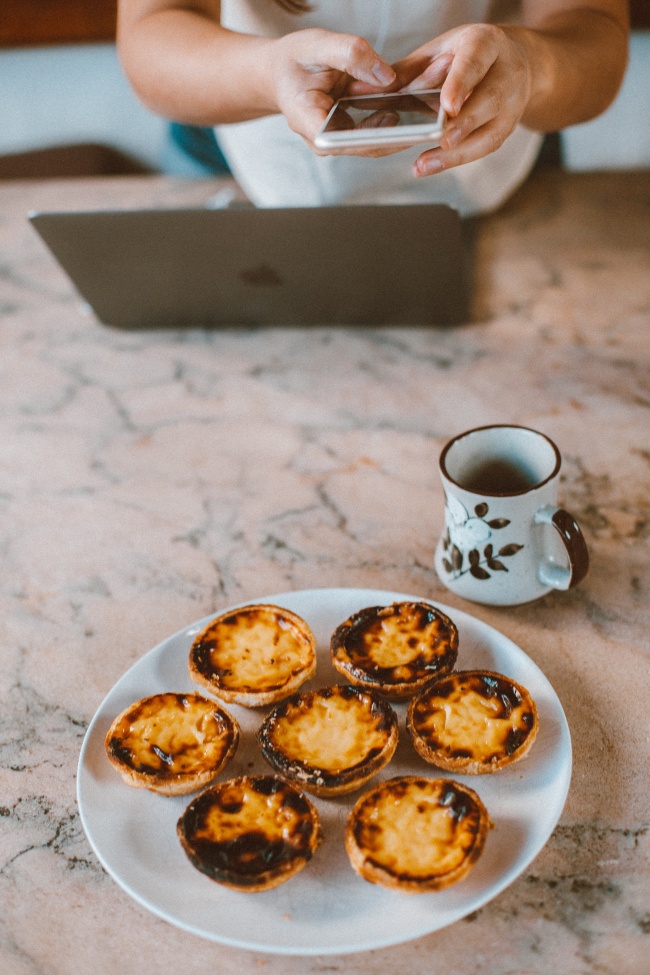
<point x="327" y="908"/>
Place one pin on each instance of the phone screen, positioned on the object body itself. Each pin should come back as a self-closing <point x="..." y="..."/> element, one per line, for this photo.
<point x="384" y="111"/>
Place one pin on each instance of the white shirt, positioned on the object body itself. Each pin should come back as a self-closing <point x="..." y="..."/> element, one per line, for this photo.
<point x="276" y="168"/>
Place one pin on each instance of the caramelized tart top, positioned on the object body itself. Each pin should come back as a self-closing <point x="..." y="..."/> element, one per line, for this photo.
<point x="476" y="717"/>
<point x="167" y="736"/>
<point x="329" y="734"/>
<point x="395" y="647"/>
<point x="411" y="831"/>
<point x="250" y="832"/>
<point x="260" y="650"/>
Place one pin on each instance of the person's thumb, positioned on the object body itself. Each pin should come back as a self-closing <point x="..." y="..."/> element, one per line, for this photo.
<point x="352" y="55"/>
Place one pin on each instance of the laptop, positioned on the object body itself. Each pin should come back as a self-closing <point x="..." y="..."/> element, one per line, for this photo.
<point x="206" y="267"/>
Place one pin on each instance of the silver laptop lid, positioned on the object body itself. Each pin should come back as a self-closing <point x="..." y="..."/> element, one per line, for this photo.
<point x="350" y="265"/>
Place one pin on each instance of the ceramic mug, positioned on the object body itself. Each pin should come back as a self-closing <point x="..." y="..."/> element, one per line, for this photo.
<point x="505" y="539"/>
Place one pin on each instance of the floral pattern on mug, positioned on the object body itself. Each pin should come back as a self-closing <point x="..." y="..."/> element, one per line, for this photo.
<point x="465" y="534"/>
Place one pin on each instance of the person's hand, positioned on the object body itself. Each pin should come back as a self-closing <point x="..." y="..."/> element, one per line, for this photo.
<point x="486" y="80"/>
<point x="311" y="69"/>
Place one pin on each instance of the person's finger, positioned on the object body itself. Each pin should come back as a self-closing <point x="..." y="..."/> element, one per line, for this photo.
<point x="305" y="109"/>
<point x="476" y="50"/>
<point x="480" y="143"/>
<point x="354" y="88"/>
<point x="414" y="73"/>
<point x="432" y="75"/>
<point x="485" y="103"/>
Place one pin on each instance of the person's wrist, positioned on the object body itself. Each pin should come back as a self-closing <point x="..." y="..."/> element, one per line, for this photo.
<point x="537" y="82"/>
<point x="264" y="61"/>
<point x="274" y="72"/>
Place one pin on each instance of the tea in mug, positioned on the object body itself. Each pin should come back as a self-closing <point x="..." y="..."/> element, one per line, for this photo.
<point x="498" y="476"/>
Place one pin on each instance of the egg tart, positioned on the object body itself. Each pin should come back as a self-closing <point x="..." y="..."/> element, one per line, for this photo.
<point x="415" y="834"/>
<point x="254" y="655"/>
<point x="395" y="650"/>
<point x="473" y="722"/>
<point x="172" y="743"/>
<point x="251" y="833"/>
<point x="331" y="740"/>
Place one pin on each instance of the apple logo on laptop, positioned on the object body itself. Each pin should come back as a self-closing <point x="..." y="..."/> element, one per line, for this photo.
<point x="261" y="276"/>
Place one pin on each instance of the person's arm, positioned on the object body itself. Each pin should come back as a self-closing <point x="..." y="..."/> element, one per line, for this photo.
<point x="563" y="65"/>
<point x="184" y="65"/>
<point x="578" y="55"/>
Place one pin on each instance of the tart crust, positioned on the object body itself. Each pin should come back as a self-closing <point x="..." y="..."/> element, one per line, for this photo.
<point x="415" y="834"/>
<point x="254" y="656"/>
<point x="172" y="743"/>
<point x="330" y="741"/>
<point x="395" y="650"/>
<point x="473" y="722"/>
<point x="251" y="833"/>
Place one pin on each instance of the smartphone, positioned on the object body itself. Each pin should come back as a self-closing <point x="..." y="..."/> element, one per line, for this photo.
<point x="396" y="118"/>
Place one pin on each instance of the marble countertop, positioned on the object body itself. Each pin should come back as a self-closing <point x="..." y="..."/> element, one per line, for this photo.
<point x="150" y="479"/>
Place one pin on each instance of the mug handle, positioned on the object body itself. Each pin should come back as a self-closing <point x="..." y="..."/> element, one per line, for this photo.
<point x="551" y="574"/>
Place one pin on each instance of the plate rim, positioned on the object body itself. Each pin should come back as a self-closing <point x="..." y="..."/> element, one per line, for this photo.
<point x="381" y="597"/>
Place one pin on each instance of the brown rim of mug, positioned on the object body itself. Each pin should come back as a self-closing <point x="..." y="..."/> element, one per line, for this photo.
<point x="499" y="426"/>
